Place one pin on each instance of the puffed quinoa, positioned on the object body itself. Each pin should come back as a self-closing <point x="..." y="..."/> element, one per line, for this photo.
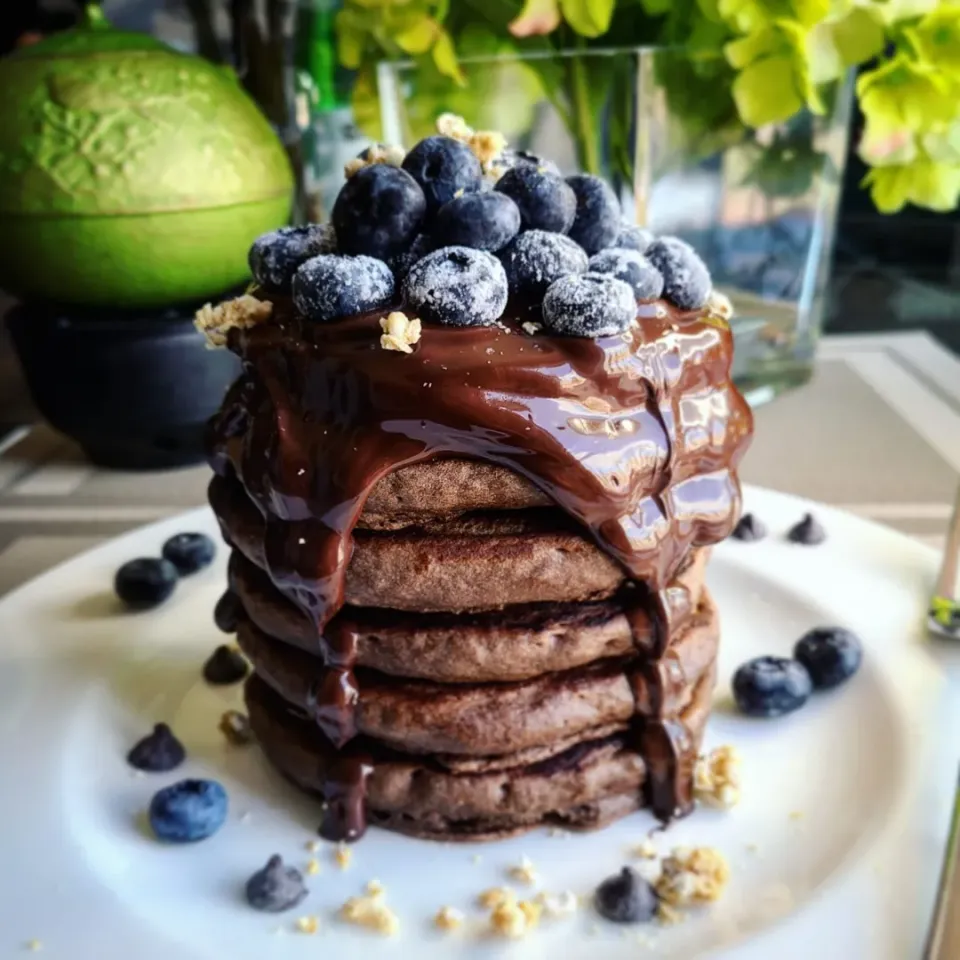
<point x="690" y="877"/>
<point x="716" y="778"/>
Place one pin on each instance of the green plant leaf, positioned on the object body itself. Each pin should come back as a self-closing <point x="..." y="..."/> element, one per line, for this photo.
<point x="935" y="186"/>
<point x="923" y="182"/>
<point x="351" y="39"/>
<point x="883" y="145"/>
<point x="710" y="9"/>
<point x="762" y="43"/>
<point x="657" y="8"/>
<point x="365" y="102"/>
<point x="943" y="144"/>
<point x="937" y="38"/>
<point x="419" y="36"/>
<point x="537" y="17"/>
<point x="444" y="57"/>
<point x="896" y="11"/>
<point x="766" y="91"/>
<point x="889" y="188"/>
<point x="903" y="93"/>
<point x="590" y="18"/>
<point x="858" y="36"/>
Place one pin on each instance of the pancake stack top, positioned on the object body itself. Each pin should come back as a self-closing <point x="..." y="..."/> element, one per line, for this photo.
<point x="482" y="441"/>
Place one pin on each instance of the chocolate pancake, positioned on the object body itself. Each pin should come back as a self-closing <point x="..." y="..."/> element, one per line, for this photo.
<point x="518" y="501"/>
<point x="515" y="643"/>
<point x="424" y="717"/>
<point x="478" y="562"/>
<point x="589" y="784"/>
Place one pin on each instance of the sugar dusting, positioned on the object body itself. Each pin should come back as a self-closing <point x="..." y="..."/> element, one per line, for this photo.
<point x="457" y="286"/>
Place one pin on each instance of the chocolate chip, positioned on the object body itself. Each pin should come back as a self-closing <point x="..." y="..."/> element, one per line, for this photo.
<point x="626" y="898"/>
<point x="808" y="532"/>
<point x="275" y="888"/>
<point x="158" y="752"/>
<point x="225" y="666"/>
<point x="226" y="613"/>
<point x="749" y="529"/>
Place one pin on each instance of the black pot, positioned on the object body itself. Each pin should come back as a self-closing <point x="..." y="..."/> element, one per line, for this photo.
<point x="133" y="388"/>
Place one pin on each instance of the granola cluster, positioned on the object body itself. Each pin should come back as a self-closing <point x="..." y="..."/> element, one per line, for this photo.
<point x="400" y="332"/>
<point x="487" y="145"/>
<point x="378" y="153"/>
<point x="243" y="312"/>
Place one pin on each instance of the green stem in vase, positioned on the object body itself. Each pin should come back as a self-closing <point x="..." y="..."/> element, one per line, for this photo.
<point x="583" y="131"/>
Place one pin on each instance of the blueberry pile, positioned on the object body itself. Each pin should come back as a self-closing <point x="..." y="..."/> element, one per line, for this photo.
<point x="451" y="238"/>
<point x="146" y="582"/>
<point x="823" y="658"/>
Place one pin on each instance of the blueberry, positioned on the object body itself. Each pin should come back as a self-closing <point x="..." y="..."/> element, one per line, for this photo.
<point x="145" y="582"/>
<point x="545" y="200"/>
<point x="224" y="666"/>
<point x="632" y="268"/>
<point x="189" y="552"/>
<point x="188" y="811"/>
<point x="632" y="238"/>
<point x="330" y="287"/>
<point x="378" y="211"/>
<point x="275" y="257"/>
<point x="514" y="157"/>
<point x="807" y="531"/>
<point x="275" y="888"/>
<point x="158" y="752"/>
<point x="484" y="221"/>
<point x="597" y="222"/>
<point x="589" y="305"/>
<point x="749" y="528"/>
<point x="771" y="686"/>
<point x="626" y="898"/>
<point x="443" y="167"/>
<point x="537" y="258"/>
<point x="401" y="263"/>
<point x="457" y="286"/>
<point x="831" y="655"/>
<point x="686" y="279"/>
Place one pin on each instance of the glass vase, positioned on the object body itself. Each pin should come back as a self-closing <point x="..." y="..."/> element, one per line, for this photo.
<point x="759" y="205"/>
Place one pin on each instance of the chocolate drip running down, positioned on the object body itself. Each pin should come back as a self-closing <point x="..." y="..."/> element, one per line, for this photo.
<point x="636" y="437"/>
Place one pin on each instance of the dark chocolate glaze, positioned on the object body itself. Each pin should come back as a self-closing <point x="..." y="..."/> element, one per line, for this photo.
<point x="321" y="413"/>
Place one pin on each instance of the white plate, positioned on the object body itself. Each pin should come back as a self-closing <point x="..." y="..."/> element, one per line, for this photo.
<point x="834" y="850"/>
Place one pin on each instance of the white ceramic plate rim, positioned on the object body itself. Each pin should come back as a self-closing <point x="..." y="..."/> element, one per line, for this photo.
<point x="831" y="924"/>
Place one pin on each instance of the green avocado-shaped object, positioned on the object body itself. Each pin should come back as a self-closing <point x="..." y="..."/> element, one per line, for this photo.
<point x="131" y="175"/>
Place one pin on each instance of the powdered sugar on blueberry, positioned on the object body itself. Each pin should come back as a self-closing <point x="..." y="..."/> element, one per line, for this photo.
<point x="589" y="305"/>
<point x="633" y="238"/>
<point x="537" y="258"/>
<point x="686" y="279"/>
<point x="326" y="288"/>
<point x="276" y="256"/>
<point x="457" y="286"/>
<point x="630" y="267"/>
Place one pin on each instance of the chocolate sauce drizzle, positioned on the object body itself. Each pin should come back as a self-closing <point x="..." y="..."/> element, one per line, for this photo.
<point x="636" y="436"/>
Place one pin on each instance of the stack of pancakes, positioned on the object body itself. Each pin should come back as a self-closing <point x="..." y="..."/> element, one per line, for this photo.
<point x="507" y="671"/>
